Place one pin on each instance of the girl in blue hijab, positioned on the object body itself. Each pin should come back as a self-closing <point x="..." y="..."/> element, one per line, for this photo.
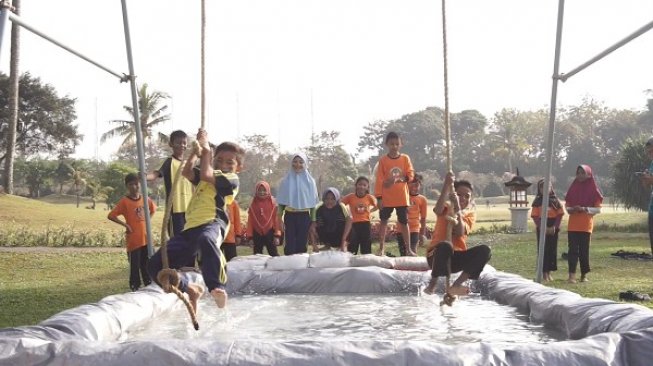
<point x="297" y="197"/>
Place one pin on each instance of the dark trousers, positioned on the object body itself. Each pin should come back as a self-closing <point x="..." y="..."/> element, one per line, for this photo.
<point x="579" y="251"/>
<point x="266" y="241"/>
<point x="550" y="251"/>
<point x="414" y="239"/>
<point x="445" y="260"/>
<point x="176" y="224"/>
<point x="650" y="229"/>
<point x="331" y="238"/>
<point x="229" y="250"/>
<point x="138" y="268"/>
<point x="360" y="235"/>
<point x="206" y="240"/>
<point x="296" y="225"/>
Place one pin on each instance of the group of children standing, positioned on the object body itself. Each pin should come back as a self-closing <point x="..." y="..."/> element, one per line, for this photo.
<point x="205" y="219"/>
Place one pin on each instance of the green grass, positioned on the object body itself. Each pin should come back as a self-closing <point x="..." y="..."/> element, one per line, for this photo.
<point x="36" y="283"/>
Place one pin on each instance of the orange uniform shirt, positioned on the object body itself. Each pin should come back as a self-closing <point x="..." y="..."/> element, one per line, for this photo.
<point x="133" y="212"/>
<point x="359" y="206"/>
<point x="416" y="211"/>
<point x="235" y="226"/>
<point x="440" y="232"/>
<point x="399" y="168"/>
<point x="582" y="221"/>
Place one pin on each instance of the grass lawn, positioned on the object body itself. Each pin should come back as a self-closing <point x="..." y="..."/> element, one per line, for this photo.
<point x="36" y="283"/>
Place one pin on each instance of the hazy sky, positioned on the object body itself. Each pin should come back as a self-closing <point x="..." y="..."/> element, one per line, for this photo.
<point x="361" y="60"/>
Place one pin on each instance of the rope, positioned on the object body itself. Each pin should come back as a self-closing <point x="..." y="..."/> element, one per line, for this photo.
<point x="203" y="56"/>
<point x="447" y="299"/>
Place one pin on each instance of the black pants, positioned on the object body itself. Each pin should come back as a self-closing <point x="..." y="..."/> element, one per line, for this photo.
<point x="229" y="250"/>
<point x="266" y="241"/>
<point x="138" y="268"/>
<point x="360" y="236"/>
<point x="650" y="229"/>
<point x="550" y="251"/>
<point x="414" y="239"/>
<point x="445" y="260"/>
<point x="579" y="251"/>
<point x="331" y="238"/>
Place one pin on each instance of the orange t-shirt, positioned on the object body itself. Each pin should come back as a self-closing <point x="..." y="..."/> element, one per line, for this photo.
<point x="235" y="227"/>
<point x="536" y="212"/>
<point x="416" y="211"/>
<point x="359" y="206"/>
<point x="132" y="210"/>
<point x="399" y="168"/>
<point x="582" y="221"/>
<point x="440" y="232"/>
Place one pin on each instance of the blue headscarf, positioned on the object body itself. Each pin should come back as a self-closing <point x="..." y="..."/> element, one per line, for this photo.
<point x="298" y="190"/>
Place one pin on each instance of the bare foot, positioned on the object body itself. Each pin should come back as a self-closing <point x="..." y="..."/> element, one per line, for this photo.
<point x="220" y="297"/>
<point x="571" y="280"/>
<point x="584" y="279"/>
<point x="459" y="290"/>
<point x="194" y="293"/>
<point x="410" y="253"/>
<point x="430" y="289"/>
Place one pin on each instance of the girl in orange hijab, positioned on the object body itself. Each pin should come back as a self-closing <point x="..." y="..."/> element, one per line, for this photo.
<point x="262" y="224"/>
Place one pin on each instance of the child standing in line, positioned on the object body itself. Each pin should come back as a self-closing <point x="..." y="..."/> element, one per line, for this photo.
<point x="263" y="228"/>
<point x="183" y="190"/>
<point x="233" y="237"/>
<point x="393" y="173"/>
<point x="131" y="209"/>
<point x="206" y="220"/>
<point x="446" y="257"/>
<point x="583" y="201"/>
<point x="297" y="200"/>
<point x="416" y="217"/>
<point x="332" y="221"/>
<point x="361" y="204"/>
<point x="553" y="219"/>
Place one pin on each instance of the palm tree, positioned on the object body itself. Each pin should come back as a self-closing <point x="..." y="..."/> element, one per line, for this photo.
<point x="13" y="101"/>
<point x="151" y="114"/>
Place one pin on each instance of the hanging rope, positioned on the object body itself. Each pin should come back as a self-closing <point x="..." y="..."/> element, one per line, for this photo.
<point x="447" y="299"/>
<point x="169" y="278"/>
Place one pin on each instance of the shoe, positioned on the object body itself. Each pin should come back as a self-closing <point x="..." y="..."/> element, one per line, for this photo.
<point x="634" y="296"/>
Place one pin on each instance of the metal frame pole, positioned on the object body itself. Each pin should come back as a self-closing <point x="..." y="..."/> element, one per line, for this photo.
<point x="4" y="16"/>
<point x="607" y="51"/>
<point x="139" y="132"/>
<point x="549" y="144"/>
<point x="17" y="20"/>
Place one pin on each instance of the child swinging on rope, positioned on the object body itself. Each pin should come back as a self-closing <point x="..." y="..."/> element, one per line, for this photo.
<point x="206" y="220"/>
<point x="446" y="257"/>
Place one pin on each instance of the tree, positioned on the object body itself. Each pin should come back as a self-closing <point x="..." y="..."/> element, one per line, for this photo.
<point x="627" y="187"/>
<point x="13" y="102"/>
<point x="260" y="158"/>
<point x="114" y="177"/>
<point x="152" y="114"/>
<point x="78" y="177"/>
<point x="97" y="191"/>
<point x="36" y="174"/>
<point x="329" y="163"/>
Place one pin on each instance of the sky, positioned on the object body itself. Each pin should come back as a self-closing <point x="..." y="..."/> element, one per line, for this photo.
<point x="287" y="68"/>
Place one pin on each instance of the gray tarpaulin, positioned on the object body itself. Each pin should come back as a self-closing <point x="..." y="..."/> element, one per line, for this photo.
<point x="602" y="332"/>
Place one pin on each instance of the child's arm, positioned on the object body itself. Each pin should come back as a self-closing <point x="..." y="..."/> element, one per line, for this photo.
<point x="440" y="205"/>
<point x="206" y="158"/>
<point x="238" y="227"/>
<point x="188" y="170"/>
<point x="153" y="175"/>
<point x="374" y="205"/>
<point x="345" y="234"/>
<point x="113" y="216"/>
<point x="151" y="206"/>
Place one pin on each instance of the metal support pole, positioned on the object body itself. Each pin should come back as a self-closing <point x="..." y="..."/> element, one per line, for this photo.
<point x="4" y="16"/>
<point x="139" y="132"/>
<point x="17" y="20"/>
<point x="549" y="144"/>
<point x="609" y="50"/>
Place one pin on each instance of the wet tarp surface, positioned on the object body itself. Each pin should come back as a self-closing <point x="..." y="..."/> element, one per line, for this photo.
<point x="601" y="332"/>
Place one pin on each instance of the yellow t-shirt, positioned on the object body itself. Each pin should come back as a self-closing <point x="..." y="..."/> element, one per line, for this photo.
<point x="209" y="201"/>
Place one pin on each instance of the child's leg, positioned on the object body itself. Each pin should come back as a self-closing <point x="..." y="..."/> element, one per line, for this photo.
<point x="471" y="262"/>
<point x="584" y="254"/>
<point x="402" y="218"/>
<point x="258" y="240"/>
<point x="134" y="262"/>
<point x="143" y="265"/>
<point x="213" y="262"/>
<point x="414" y="239"/>
<point x="440" y="263"/>
<point x="384" y="215"/>
<point x="365" y="237"/>
<point x="354" y="241"/>
<point x="268" y="240"/>
<point x="572" y="255"/>
<point x="180" y="249"/>
<point x="551" y="253"/>
<point x="401" y="244"/>
<point x="177" y="220"/>
<point x="290" y="224"/>
<point x="229" y="251"/>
